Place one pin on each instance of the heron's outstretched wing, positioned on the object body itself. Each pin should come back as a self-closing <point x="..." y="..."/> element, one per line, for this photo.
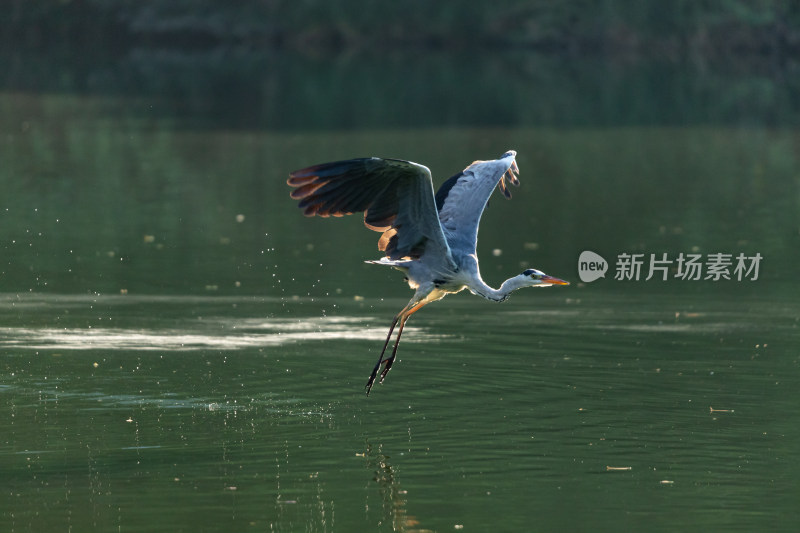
<point x="396" y="198"/>
<point x="462" y="198"/>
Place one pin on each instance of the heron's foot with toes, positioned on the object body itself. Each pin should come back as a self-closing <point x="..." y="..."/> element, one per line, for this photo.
<point x="386" y="368"/>
<point x="371" y="381"/>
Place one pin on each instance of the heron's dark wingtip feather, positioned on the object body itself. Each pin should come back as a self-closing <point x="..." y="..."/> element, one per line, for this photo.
<point x="303" y="191"/>
<point x="504" y="188"/>
<point x="335" y="168"/>
<point x="310" y="210"/>
<point x="310" y="202"/>
<point x="298" y="181"/>
<point x="324" y="170"/>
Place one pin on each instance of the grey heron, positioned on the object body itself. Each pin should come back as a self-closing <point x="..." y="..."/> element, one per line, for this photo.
<point x="432" y="238"/>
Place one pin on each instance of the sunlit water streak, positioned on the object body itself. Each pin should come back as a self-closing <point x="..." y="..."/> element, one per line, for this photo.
<point x="236" y="337"/>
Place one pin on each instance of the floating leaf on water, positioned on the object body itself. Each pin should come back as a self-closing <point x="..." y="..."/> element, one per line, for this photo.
<point x="712" y="410"/>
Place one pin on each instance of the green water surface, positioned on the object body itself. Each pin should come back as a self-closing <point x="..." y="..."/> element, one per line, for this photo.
<point x="181" y="350"/>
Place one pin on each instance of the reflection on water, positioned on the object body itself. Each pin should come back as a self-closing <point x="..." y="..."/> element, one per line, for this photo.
<point x="394" y="498"/>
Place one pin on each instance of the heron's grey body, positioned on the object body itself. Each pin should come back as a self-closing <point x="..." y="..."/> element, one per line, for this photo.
<point x="431" y="237"/>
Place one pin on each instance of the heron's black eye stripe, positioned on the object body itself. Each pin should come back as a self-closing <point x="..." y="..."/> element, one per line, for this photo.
<point x="529" y="272"/>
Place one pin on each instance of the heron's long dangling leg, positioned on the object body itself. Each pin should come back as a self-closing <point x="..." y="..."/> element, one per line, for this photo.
<point x="423" y="296"/>
<point x="403" y="320"/>
<point x="399" y="317"/>
<point x="390" y="361"/>
<point x="371" y="379"/>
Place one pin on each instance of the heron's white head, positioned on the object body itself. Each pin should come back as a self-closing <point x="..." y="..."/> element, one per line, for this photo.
<point x="537" y="278"/>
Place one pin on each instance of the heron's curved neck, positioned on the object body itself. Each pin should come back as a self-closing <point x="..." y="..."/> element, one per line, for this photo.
<point x="480" y="288"/>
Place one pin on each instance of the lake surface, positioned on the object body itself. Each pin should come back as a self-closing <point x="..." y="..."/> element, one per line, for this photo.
<point x="181" y="350"/>
<point x="206" y="413"/>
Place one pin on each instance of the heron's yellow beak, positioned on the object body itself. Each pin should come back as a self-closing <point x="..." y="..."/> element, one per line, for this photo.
<point x="554" y="281"/>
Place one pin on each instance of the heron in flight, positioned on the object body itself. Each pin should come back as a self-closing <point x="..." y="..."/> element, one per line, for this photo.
<point x="432" y="238"/>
